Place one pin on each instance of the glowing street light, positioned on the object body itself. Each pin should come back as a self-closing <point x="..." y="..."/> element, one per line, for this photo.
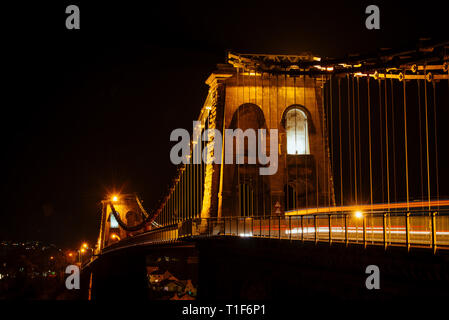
<point x="358" y="214"/>
<point x="80" y="251"/>
<point x="85" y="247"/>
<point x="114" y="198"/>
<point x="115" y="237"/>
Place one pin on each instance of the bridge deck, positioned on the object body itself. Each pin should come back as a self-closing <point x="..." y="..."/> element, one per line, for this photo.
<point x="413" y="229"/>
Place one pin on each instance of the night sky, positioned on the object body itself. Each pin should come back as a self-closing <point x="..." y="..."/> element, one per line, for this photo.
<point x="87" y="112"/>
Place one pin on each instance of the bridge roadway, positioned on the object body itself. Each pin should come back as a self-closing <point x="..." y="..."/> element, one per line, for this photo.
<point x="416" y="229"/>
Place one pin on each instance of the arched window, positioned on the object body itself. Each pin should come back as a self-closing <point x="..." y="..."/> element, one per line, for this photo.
<point x="113" y="221"/>
<point x="247" y="116"/>
<point x="297" y="132"/>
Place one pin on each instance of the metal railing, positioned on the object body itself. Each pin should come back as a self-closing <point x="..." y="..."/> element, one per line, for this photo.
<point x="160" y="235"/>
<point x="409" y="229"/>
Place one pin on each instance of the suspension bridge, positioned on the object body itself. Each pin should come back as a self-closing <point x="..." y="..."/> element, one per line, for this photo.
<point x="361" y="150"/>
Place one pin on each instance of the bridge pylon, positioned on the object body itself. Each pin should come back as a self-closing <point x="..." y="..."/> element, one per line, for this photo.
<point x="242" y="97"/>
<point x="127" y="209"/>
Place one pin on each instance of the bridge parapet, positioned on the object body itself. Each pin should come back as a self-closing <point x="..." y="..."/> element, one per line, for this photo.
<point x="418" y="229"/>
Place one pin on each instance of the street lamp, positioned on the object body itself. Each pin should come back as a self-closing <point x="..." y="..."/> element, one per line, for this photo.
<point x="115" y="236"/>
<point x="80" y="251"/>
<point x="85" y="247"/>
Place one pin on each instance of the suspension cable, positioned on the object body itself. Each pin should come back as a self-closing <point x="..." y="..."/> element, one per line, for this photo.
<point x="379" y="83"/>
<point x="436" y="143"/>
<point x="339" y="137"/>
<point x="386" y="146"/>
<point x="348" y="104"/>
<point x="359" y="139"/>
<point x="331" y="126"/>
<point x="405" y="143"/>
<point x="315" y="162"/>
<point x="237" y="148"/>
<point x="296" y="158"/>
<point x="420" y="140"/>
<point x="323" y="117"/>
<point x="354" y="142"/>
<point x="394" y="141"/>
<point x="286" y="160"/>
<point x="369" y="136"/>
<point x="124" y="225"/>
<point x="269" y="112"/>
<point x="305" y="137"/>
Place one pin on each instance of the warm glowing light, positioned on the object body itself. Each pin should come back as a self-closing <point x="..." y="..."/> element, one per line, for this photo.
<point x="358" y="214"/>
<point x="371" y="207"/>
<point x="70" y="254"/>
<point x="246" y="234"/>
<point x="114" y="198"/>
<point x="251" y="73"/>
<point x="85" y="245"/>
<point x="51" y="258"/>
<point x="114" y="236"/>
<point x="83" y="250"/>
<point x="324" y="68"/>
<point x="297" y="132"/>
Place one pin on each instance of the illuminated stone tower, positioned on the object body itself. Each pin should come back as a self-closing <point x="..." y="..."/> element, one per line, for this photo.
<point x="128" y="210"/>
<point x="243" y="95"/>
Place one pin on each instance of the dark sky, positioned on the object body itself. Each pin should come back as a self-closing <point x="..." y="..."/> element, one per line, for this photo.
<point x="89" y="111"/>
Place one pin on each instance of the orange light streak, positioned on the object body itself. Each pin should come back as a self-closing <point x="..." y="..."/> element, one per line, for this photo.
<point x="369" y="207"/>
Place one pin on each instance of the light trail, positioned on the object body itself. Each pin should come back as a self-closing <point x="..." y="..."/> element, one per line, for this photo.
<point x="369" y="207"/>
